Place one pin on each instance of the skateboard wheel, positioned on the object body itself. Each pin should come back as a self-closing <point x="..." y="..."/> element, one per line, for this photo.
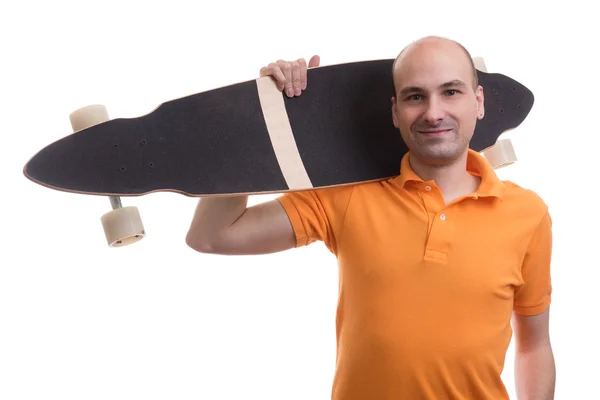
<point x="479" y="64"/>
<point x="88" y="116"/>
<point x="500" y="155"/>
<point x="123" y="226"/>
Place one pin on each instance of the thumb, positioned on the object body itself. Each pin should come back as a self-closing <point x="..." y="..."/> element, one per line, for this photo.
<point x="314" y="61"/>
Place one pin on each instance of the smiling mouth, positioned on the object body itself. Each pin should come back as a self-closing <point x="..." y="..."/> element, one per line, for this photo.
<point x="435" y="132"/>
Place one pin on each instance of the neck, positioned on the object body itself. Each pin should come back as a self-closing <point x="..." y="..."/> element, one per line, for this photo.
<point x="452" y="178"/>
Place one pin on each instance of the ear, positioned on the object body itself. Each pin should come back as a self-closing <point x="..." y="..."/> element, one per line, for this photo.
<point x="394" y="116"/>
<point x="480" y="102"/>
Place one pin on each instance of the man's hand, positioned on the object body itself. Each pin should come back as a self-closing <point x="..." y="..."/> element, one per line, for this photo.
<point x="290" y="75"/>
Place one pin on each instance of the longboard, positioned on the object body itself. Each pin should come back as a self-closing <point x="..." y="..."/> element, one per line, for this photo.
<point x="249" y="138"/>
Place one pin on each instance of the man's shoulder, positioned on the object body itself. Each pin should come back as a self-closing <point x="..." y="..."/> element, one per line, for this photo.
<point x="340" y="196"/>
<point x="326" y="196"/>
<point x="524" y="197"/>
<point x="344" y="190"/>
<point x="323" y="192"/>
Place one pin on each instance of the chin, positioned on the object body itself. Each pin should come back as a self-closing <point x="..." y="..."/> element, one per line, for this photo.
<point x="440" y="155"/>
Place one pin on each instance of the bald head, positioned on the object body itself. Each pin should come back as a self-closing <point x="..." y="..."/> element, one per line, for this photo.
<point x="437" y="100"/>
<point x="423" y="48"/>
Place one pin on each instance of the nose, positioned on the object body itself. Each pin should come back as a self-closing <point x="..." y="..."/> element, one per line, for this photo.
<point x="434" y="111"/>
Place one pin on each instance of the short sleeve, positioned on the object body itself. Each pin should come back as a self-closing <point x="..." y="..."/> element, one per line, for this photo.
<point x="317" y="215"/>
<point x="533" y="297"/>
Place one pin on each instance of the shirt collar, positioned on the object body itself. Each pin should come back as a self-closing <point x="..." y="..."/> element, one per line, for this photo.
<point x="490" y="186"/>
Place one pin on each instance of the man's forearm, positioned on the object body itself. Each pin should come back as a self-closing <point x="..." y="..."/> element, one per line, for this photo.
<point x="535" y="374"/>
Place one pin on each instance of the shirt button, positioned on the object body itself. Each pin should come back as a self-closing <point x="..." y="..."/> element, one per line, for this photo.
<point x="428" y="188"/>
<point x="443" y="217"/>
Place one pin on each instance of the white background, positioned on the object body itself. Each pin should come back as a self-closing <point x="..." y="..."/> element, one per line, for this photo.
<point x="158" y="321"/>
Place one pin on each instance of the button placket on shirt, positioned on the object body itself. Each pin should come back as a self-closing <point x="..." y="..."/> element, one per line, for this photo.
<point x="440" y="230"/>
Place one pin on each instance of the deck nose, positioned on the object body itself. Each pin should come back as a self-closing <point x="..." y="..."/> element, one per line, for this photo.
<point x="93" y="159"/>
<point x="62" y="165"/>
<point x="505" y="96"/>
<point x="507" y="104"/>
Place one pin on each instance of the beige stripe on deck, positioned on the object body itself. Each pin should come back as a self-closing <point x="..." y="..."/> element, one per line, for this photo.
<point x="282" y="137"/>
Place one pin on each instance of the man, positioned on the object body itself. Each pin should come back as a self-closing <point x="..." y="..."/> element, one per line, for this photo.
<point x="434" y="263"/>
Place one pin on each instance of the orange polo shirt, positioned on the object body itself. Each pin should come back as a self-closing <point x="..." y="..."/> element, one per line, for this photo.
<point x="427" y="289"/>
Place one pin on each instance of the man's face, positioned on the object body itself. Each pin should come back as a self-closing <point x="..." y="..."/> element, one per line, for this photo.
<point x="436" y="105"/>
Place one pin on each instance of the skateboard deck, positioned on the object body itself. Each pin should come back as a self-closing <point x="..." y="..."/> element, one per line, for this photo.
<point x="249" y="138"/>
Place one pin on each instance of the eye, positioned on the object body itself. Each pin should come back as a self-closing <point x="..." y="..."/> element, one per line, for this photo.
<point x="414" y="97"/>
<point x="451" y="92"/>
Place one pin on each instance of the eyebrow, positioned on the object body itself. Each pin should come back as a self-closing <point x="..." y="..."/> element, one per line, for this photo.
<point x="413" y="89"/>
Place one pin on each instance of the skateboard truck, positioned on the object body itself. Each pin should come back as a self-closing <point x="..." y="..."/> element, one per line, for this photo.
<point x="123" y="225"/>
<point x="502" y="153"/>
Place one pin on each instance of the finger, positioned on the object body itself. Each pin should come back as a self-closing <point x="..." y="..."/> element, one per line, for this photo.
<point x="275" y="72"/>
<point x="287" y="72"/>
<point x="314" y="61"/>
<point x="296" y="81"/>
<point x="303" y="76"/>
<point x="265" y="71"/>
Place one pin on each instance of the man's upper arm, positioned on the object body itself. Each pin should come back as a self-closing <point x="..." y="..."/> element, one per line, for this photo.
<point x="317" y="214"/>
<point x="533" y="297"/>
